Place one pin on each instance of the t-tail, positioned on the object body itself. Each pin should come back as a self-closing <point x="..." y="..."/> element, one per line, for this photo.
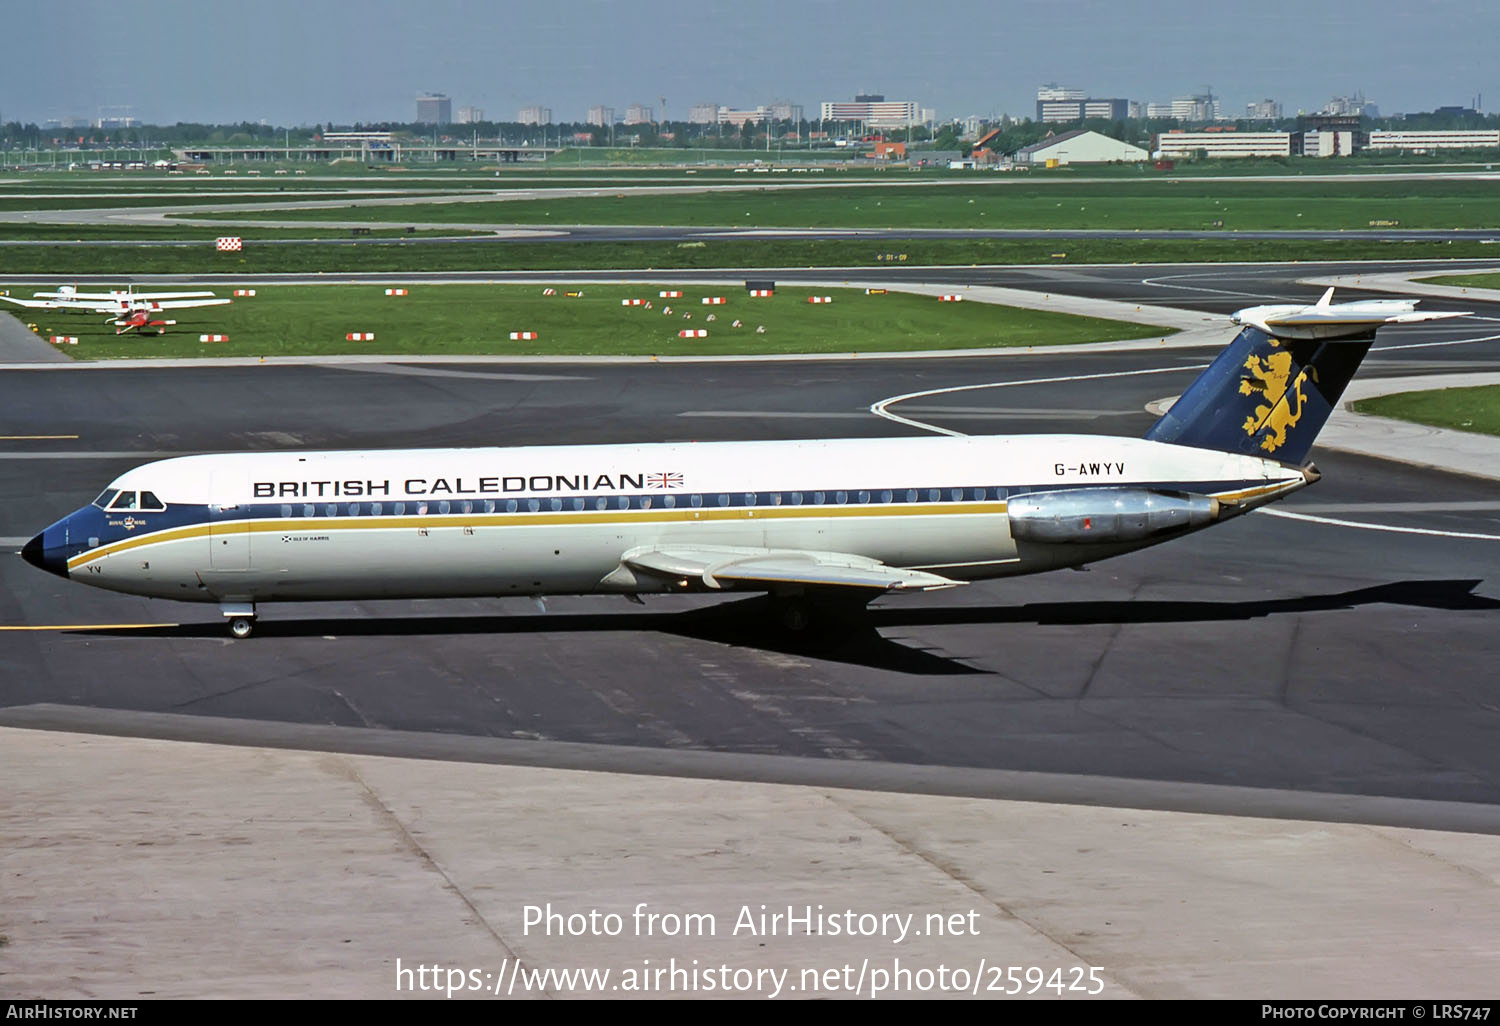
<point x="1272" y="389"/>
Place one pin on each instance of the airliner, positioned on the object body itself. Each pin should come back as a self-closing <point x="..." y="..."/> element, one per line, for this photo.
<point x="817" y="523"/>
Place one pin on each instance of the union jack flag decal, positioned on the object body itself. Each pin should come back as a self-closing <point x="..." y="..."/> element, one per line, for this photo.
<point x="664" y="480"/>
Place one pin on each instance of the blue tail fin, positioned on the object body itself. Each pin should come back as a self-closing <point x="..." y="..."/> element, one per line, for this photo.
<point x="1264" y="396"/>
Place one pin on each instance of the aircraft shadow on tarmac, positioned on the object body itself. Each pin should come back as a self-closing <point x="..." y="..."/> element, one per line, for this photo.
<point x="855" y="639"/>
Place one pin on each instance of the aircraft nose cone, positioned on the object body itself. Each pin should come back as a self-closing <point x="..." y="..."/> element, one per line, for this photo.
<point x="35" y="553"/>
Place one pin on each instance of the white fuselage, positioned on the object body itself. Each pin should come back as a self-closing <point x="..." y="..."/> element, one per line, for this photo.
<point x="562" y="519"/>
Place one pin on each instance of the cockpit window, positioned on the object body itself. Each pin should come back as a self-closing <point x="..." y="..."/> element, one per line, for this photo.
<point x="104" y="498"/>
<point x="150" y="503"/>
<point x="125" y="500"/>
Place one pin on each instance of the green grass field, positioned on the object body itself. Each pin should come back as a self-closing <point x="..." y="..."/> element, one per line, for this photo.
<point x="999" y="202"/>
<point x="1467" y="281"/>
<point x="1464" y="409"/>
<point x="477" y="319"/>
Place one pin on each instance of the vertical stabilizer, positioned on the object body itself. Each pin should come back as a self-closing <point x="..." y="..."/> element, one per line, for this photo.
<point x="1264" y="396"/>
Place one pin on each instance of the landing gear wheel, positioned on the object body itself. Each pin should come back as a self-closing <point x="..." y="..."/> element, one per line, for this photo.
<point x="241" y="626"/>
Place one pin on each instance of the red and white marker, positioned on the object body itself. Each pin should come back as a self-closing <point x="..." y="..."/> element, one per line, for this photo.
<point x="395" y="292"/>
<point x="361" y="336"/>
<point x="63" y="340"/>
<point x="762" y="293"/>
<point x="522" y="336"/>
<point x="664" y="294"/>
<point x="632" y="302"/>
<point x="950" y="299"/>
<point x="244" y="292"/>
<point x="693" y="333"/>
<point x="549" y="292"/>
<point x="213" y="338"/>
<point x="820" y="299"/>
<point x="713" y="300"/>
<point x="229" y="244"/>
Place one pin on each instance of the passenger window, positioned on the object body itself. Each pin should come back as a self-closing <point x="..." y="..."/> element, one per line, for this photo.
<point x="696" y="500"/>
<point x="818" y="498"/>
<point x="776" y="498"/>
<point x="577" y="505"/>
<point x="885" y="496"/>
<point x="723" y="500"/>
<point x="601" y="503"/>
<point x="467" y="507"/>
<point x="623" y="502"/>
<point x="375" y="509"/>
<point x="645" y="501"/>
<point x="749" y="498"/>
<point x="554" y="505"/>
<point x="795" y="498"/>
<point x="864" y="496"/>
<point x="840" y="497"/>
<point x="421" y="509"/>
<point x="957" y="494"/>
<point x="286" y="511"/>
<point x="400" y="508"/>
<point x="933" y="495"/>
<point x="332" y="509"/>
<point x="668" y="501"/>
<point x="911" y="495"/>
<point x="489" y="505"/>
<point x="533" y="505"/>
<point x="443" y="506"/>
<point x="307" y="510"/>
<point x="511" y="505"/>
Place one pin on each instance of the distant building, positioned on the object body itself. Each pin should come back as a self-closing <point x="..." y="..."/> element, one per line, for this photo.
<point x="879" y="113"/>
<point x="1058" y="105"/>
<point x="1186" y="145"/>
<point x="1423" y="142"/>
<point x="469" y="116"/>
<point x="534" y="115"/>
<point x="1159" y="110"/>
<point x="1079" y="147"/>
<point x="784" y="110"/>
<point x="1263" y="110"/>
<point x="639" y="114"/>
<point x="731" y="116"/>
<point x="434" y="109"/>
<point x="601" y="116"/>
<point x="1199" y="107"/>
<point x="1355" y="106"/>
<point x="703" y="114"/>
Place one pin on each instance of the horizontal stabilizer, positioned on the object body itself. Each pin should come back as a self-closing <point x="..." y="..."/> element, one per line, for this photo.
<point x="1328" y="320"/>
<point x="716" y="568"/>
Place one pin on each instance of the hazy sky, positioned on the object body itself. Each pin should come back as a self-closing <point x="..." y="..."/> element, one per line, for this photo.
<point x="307" y="61"/>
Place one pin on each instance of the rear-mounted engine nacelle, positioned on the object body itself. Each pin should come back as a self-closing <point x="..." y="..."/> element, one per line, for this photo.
<point x="1103" y="515"/>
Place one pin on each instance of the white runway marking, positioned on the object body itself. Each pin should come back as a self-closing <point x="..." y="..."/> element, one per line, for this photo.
<point x="1378" y="527"/>
<point x="881" y="408"/>
<point x="1428" y="345"/>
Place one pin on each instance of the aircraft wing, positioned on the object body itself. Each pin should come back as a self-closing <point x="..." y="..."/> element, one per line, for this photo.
<point x="717" y="568"/>
<point x="117" y="296"/>
<point x="40" y="304"/>
<point x="175" y="304"/>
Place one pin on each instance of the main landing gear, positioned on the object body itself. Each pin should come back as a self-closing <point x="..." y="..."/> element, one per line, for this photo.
<point x="241" y="618"/>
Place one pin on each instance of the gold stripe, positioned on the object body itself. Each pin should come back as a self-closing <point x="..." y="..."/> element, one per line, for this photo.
<point x="561" y="517"/>
<point x="89" y="627"/>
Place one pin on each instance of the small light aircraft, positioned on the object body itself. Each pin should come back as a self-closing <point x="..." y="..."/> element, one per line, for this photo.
<point x="128" y="310"/>
<point x="817" y="523"/>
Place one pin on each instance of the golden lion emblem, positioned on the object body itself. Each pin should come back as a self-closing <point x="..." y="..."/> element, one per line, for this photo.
<point x="1272" y="378"/>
